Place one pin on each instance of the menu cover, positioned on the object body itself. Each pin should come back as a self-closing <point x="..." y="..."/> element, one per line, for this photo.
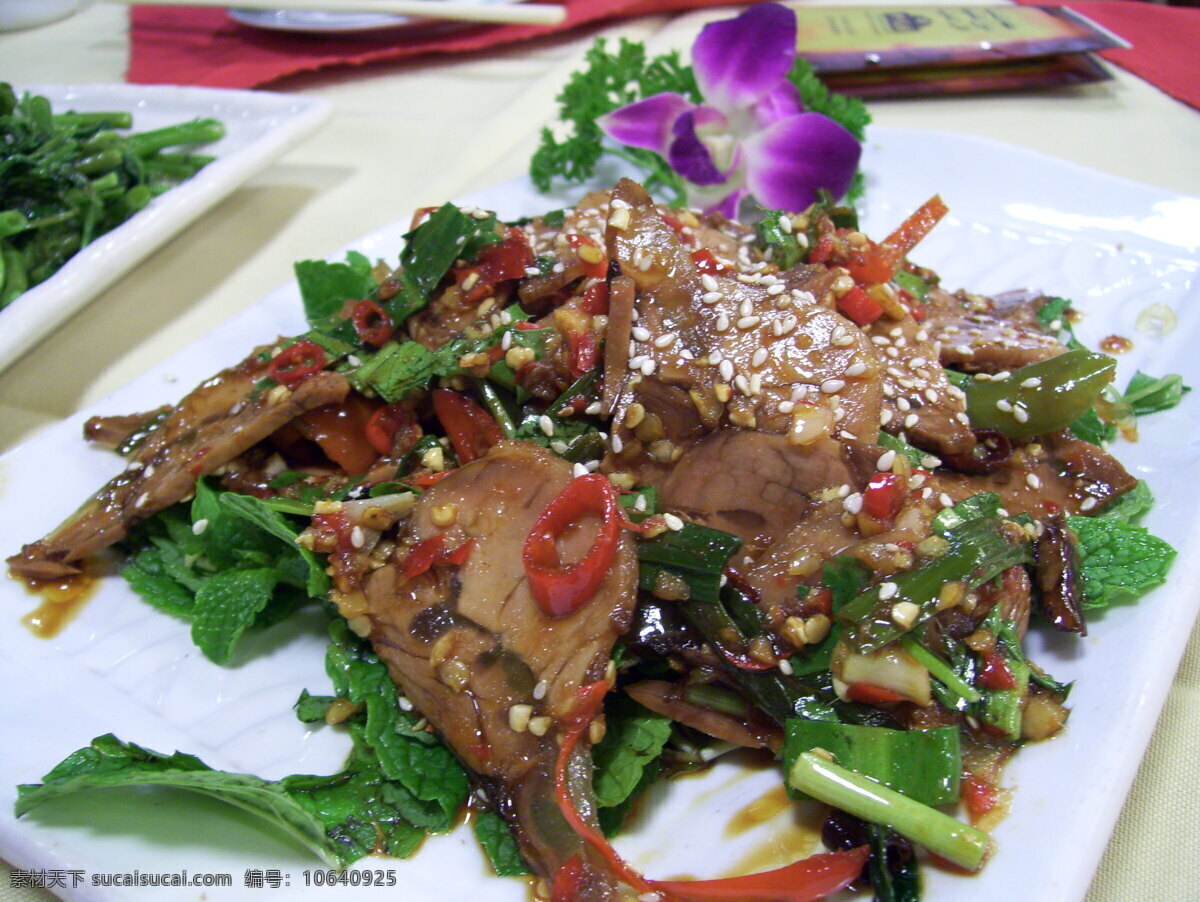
<point x="879" y="51"/>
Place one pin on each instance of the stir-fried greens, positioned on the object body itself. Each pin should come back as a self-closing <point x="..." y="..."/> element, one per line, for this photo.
<point x="67" y="178"/>
<point x="592" y="498"/>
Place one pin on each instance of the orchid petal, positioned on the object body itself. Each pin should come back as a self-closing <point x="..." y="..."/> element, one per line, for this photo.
<point x="780" y="103"/>
<point x="728" y="206"/>
<point x="789" y="161"/>
<point x="690" y="155"/>
<point x="739" y="61"/>
<point x="646" y="123"/>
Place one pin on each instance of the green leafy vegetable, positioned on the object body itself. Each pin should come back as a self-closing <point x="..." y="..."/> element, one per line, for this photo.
<point x="68" y="178"/>
<point x="342" y="817"/>
<point x="925" y="765"/>
<point x="1119" y="562"/>
<point x="499" y="844"/>
<point x="696" y="554"/>
<point x="632" y="744"/>
<point x="1146" y="394"/>
<point x="325" y="287"/>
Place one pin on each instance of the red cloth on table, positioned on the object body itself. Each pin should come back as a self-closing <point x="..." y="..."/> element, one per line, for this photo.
<point x="203" y="46"/>
<point x="1165" y="39"/>
<point x="200" y="46"/>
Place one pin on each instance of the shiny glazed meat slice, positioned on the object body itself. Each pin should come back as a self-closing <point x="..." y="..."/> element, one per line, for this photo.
<point x="979" y="334"/>
<point x="711" y="351"/>
<point x="919" y="403"/>
<point x="469" y="646"/>
<point x="755" y="485"/>
<point x="218" y="421"/>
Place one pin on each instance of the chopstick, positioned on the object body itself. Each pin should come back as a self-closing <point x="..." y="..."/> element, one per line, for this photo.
<point x="458" y="10"/>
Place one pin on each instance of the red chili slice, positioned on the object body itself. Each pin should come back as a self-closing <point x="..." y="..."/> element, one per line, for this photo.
<point x="858" y="306"/>
<point x="884" y="495"/>
<point x="706" y="261"/>
<point x="597" y="269"/>
<point x="422" y="555"/>
<point x="471" y="428"/>
<point x="371" y="322"/>
<point x="297" y="362"/>
<point x="979" y="796"/>
<point x="870" y="694"/>
<point x="595" y="299"/>
<point x="995" y="673"/>
<point x="584" y="352"/>
<point x="559" y="589"/>
<point x="389" y="421"/>
<point x="806" y="880"/>
<point x="878" y="262"/>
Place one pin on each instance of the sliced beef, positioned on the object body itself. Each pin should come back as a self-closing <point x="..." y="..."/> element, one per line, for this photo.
<point x="469" y="646"/>
<point x="1059" y="472"/>
<point x="210" y="427"/>
<point x="988" y="335"/>
<point x="756" y="485"/>
<point x="711" y="351"/>
<point x="919" y="403"/>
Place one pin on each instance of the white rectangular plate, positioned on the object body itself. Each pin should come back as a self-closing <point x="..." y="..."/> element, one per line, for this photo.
<point x="259" y="127"/>
<point x="1017" y="219"/>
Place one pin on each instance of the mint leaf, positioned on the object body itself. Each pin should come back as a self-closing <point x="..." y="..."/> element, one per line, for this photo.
<point x="1119" y="562"/>
<point x="258" y="513"/>
<point x="433" y="785"/>
<point x="325" y="287"/>
<point x="1131" y="506"/>
<point x="1147" y="394"/>
<point x="110" y="762"/>
<point x="782" y="242"/>
<point x="226" y="605"/>
<point x="499" y="845"/>
<point x="632" y="744"/>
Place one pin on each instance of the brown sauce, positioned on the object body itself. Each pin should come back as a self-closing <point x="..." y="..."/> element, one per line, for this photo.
<point x="1116" y="344"/>
<point x="61" y="600"/>
<point x="792" y="838"/>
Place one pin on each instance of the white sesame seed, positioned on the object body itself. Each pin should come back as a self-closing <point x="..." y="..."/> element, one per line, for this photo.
<point x="709" y="283"/>
<point x="546" y="425"/>
<point x="852" y="503"/>
<point x="885" y="417"/>
<point x="617" y="445"/>
<point x="786" y="406"/>
<point x="885" y="462"/>
<point x="357" y="537"/>
<point x="722" y="323"/>
<point x="578" y="470"/>
<point x="506" y="341"/>
<point x="726" y="370"/>
<point x="832" y="386"/>
<point x="1020" y="413"/>
<point x="1004" y="406"/>
<point x="649" y="367"/>
<point x="672" y="522"/>
<point x="665" y="340"/>
<point x="1031" y="382"/>
<point x="911" y="420"/>
<point x="759" y="358"/>
<point x="712" y="297"/>
<point x="640" y="334"/>
<point x="1032" y="481"/>
<point x="904" y="405"/>
<point x="775" y="289"/>
<point x="741" y="384"/>
<point x="931" y="395"/>
<point x="945" y="500"/>
<point x="746" y="307"/>
<point x="856" y="369"/>
<point x="929" y="462"/>
<point x="888" y="590"/>
<point x="200" y="525"/>
<point x="558" y="447"/>
<point x="748" y="322"/>
<point x="1087" y="504"/>
<point x="785" y="667"/>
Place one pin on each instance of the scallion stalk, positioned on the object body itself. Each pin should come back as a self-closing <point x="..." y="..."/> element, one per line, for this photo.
<point x="869" y="800"/>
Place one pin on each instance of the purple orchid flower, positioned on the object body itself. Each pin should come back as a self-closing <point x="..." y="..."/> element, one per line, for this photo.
<point x="752" y="136"/>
